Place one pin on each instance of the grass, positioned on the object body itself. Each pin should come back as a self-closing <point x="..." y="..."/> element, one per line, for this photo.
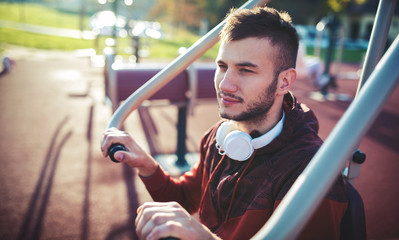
<point x="40" y="15"/>
<point x="348" y="55"/>
<point x="40" y="41"/>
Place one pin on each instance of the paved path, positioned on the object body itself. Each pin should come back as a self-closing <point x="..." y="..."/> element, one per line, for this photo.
<point x="54" y="184"/>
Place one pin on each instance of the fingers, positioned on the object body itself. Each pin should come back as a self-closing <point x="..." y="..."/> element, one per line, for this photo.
<point x="148" y="209"/>
<point x="161" y="225"/>
<point x="134" y="156"/>
<point x="160" y="220"/>
<point x="113" y="136"/>
<point x="169" y="230"/>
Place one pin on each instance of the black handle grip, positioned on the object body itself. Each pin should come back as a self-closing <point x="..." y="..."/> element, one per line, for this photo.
<point x="115" y="148"/>
<point x="359" y="157"/>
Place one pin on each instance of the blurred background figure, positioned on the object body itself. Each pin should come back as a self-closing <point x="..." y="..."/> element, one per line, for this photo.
<point x="308" y="66"/>
<point x="6" y="65"/>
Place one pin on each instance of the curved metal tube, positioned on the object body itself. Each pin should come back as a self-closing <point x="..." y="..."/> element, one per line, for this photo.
<point x="171" y="71"/>
<point x="308" y="190"/>
<point x="378" y="38"/>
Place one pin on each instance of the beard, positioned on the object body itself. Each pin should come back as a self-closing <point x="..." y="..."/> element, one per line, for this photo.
<point x="256" y="110"/>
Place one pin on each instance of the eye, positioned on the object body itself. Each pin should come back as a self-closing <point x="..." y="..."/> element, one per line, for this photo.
<point x="222" y="67"/>
<point x="246" y="70"/>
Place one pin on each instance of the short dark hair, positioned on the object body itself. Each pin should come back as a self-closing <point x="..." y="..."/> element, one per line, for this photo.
<point x="264" y="22"/>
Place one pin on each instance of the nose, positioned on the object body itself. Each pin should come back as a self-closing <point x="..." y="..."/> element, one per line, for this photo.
<point x="226" y="81"/>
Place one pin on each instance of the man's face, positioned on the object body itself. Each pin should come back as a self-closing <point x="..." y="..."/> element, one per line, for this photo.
<point x="244" y="80"/>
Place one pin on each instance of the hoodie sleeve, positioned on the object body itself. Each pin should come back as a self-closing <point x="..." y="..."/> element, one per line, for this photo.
<point x="186" y="190"/>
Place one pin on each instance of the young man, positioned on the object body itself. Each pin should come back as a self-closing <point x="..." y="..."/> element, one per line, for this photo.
<point x="248" y="161"/>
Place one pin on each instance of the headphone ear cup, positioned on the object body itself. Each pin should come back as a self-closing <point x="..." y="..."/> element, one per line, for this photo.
<point x="224" y="129"/>
<point x="237" y="145"/>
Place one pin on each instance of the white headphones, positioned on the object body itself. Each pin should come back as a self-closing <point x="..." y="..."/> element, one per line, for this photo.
<point x="239" y="145"/>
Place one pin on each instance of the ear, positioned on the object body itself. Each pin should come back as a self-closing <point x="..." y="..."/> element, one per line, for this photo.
<point x="286" y="79"/>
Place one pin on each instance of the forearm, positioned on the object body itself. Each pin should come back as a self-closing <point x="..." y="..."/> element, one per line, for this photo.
<point x="186" y="190"/>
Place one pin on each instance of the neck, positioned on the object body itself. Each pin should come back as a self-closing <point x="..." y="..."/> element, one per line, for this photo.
<point x="266" y="122"/>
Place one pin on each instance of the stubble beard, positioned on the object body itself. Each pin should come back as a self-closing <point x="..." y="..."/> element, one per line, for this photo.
<point x="256" y="111"/>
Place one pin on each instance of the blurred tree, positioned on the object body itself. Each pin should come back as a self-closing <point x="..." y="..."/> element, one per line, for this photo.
<point x="308" y="12"/>
<point x="216" y="10"/>
<point x="189" y="13"/>
<point x="340" y="5"/>
<point x="181" y="13"/>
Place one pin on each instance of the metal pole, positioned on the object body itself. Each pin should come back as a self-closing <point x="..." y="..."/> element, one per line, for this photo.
<point x="114" y="28"/>
<point x="378" y="38"/>
<point x="377" y="43"/>
<point x="171" y="71"/>
<point x="181" y="135"/>
<point x="332" y="25"/>
<point x="311" y="186"/>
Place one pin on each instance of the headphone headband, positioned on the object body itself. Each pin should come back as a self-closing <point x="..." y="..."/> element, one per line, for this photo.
<point x="239" y="145"/>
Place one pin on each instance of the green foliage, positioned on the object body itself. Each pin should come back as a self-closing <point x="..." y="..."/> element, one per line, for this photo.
<point x="340" y="5"/>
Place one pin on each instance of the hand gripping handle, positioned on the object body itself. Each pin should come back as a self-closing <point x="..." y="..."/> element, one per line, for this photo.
<point x="115" y="148"/>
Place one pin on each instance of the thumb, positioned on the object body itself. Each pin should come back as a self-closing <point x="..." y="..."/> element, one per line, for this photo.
<point x="119" y="156"/>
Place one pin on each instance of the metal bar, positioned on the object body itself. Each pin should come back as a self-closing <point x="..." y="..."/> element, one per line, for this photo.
<point x="376" y="47"/>
<point x="378" y="38"/>
<point x="181" y="136"/>
<point x="311" y="186"/>
<point x="171" y="71"/>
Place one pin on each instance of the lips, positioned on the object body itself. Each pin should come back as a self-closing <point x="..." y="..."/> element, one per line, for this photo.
<point x="229" y="99"/>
